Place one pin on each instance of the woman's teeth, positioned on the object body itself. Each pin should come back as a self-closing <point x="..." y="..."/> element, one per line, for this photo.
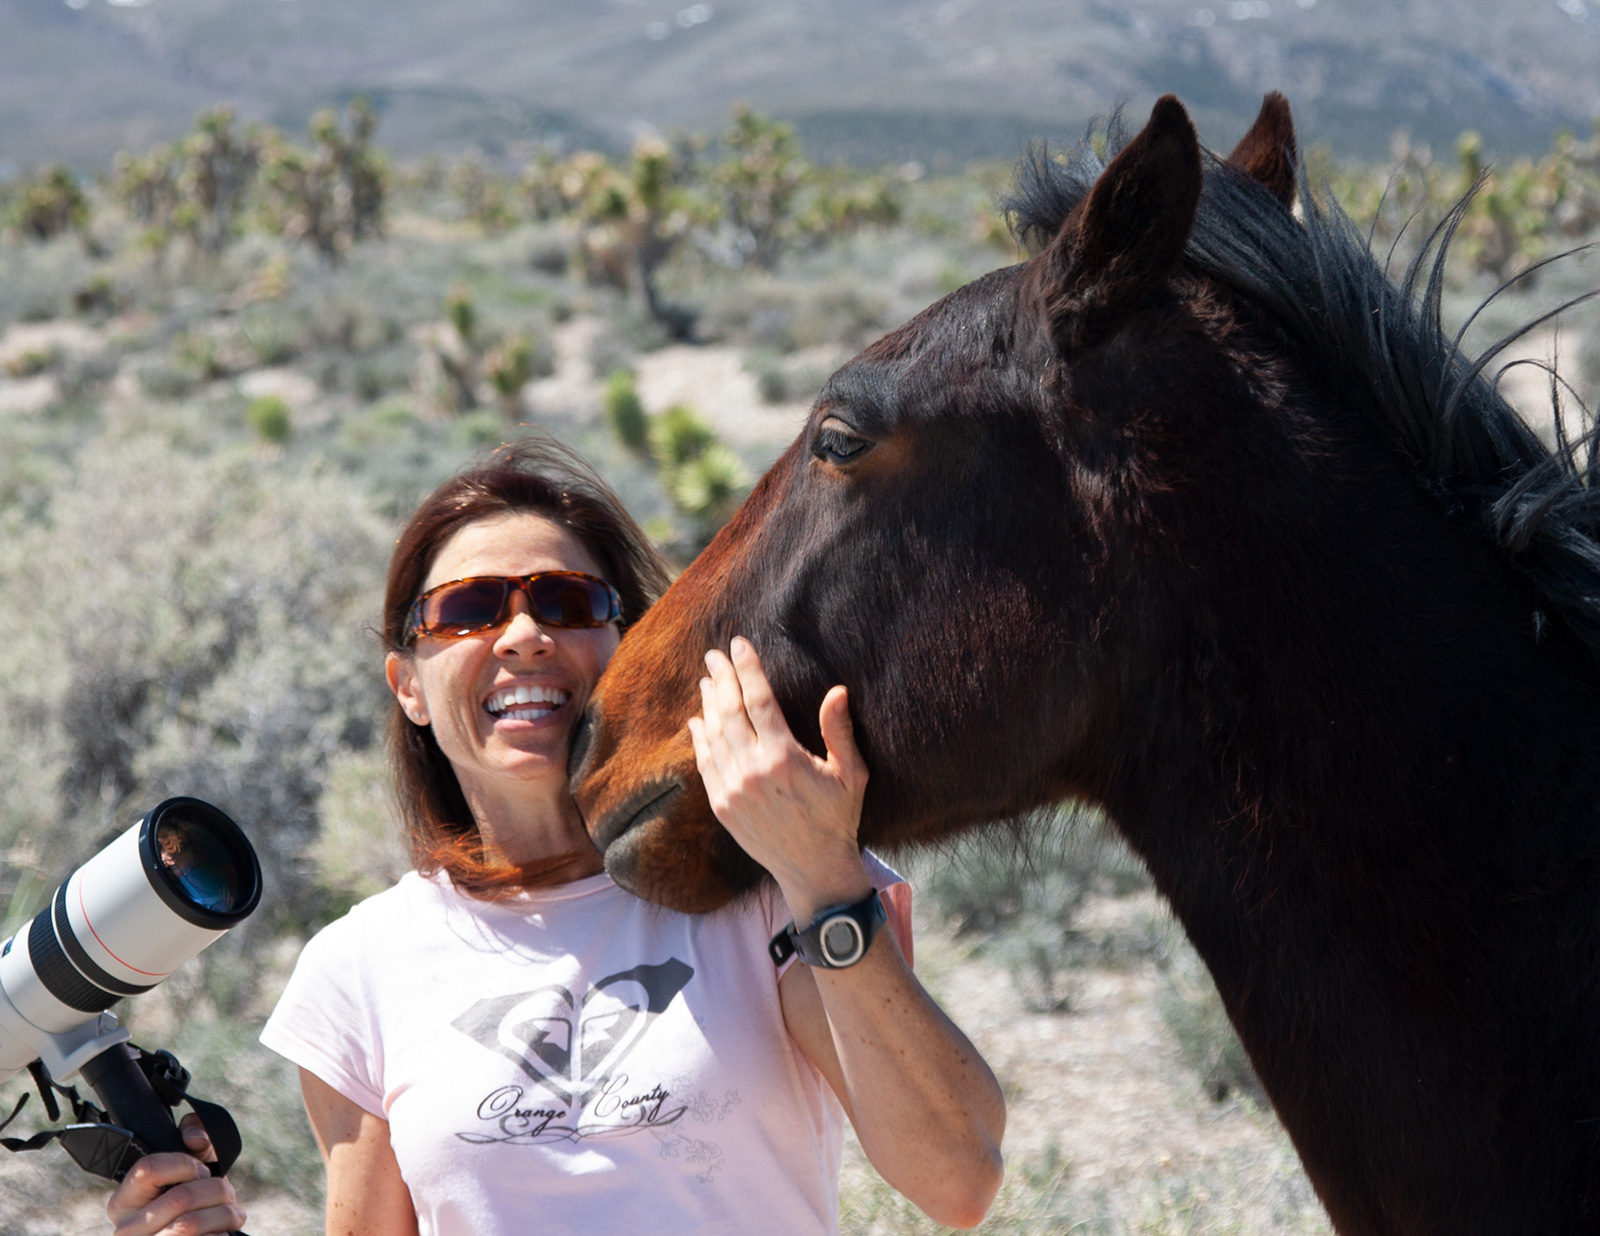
<point x="526" y="703"/>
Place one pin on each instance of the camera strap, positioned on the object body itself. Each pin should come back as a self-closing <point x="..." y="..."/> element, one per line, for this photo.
<point x="170" y="1080"/>
<point x="82" y="1112"/>
<point x="100" y="1147"/>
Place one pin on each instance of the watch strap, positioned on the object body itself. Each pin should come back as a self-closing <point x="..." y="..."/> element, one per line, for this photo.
<point x="830" y="942"/>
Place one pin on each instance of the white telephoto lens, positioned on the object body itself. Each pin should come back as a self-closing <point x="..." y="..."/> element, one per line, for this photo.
<point x="151" y="900"/>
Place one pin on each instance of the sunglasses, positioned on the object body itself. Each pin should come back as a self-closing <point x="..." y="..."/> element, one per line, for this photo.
<point x="555" y="598"/>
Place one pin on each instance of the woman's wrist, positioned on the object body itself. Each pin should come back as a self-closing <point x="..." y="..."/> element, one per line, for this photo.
<point x="841" y="880"/>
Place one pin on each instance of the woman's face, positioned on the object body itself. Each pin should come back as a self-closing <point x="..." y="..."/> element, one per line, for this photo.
<point x="464" y="688"/>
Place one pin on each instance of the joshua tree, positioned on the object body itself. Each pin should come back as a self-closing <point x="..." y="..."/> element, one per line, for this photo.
<point x="758" y="183"/>
<point x="50" y="204"/>
<point x="635" y="216"/>
<point x="147" y="187"/>
<point x="219" y="167"/>
<point x="332" y="195"/>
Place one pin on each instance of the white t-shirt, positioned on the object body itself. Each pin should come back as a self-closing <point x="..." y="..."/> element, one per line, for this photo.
<point x="574" y="1060"/>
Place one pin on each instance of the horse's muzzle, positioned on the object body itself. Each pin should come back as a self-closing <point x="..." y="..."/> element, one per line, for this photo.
<point x="640" y="808"/>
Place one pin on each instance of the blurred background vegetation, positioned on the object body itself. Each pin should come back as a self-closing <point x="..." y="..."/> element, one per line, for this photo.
<point x="231" y="364"/>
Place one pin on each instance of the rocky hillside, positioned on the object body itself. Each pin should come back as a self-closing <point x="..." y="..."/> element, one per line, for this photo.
<point x="942" y="81"/>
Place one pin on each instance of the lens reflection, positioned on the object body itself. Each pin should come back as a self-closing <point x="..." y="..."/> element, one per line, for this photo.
<point x="200" y="863"/>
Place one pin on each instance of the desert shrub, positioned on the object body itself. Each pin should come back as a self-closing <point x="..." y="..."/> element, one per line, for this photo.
<point x="838" y="311"/>
<point x="477" y="431"/>
<point x="360" y="848"/>
<point x="770" y="200"/>
<point x="268" y="418"/>
<point x="508" y="366"/>
<point x="162" y="379"/>
<point x="364" y="169"/>
<point x="147" y="187"/>
<point x="550" y="257"/>
<point x="1518" y="212"/>
<point x="772" y="384"/>
<point x="50" y="205"/>
<point x="97" y="296"/>
<point x="707" y="487"/>
<point x="679" y="435"/>
<point x="461" y="311"/>
<point x="274" y="337"/>
<point x="219" y="652"/>
<point x="82" y="375"/>
<point x="481" y="195"/>
<point x="756" y="312"/>
<point x="611" y="349"/>
<point x="387" y="422"/>
<point x="844" y="201"/>
<point x="201" y="353"/>
<point x="1193" y="1010"/>
<point x="624" y="412"/>
<point x="30" y="361"/>
<point x="1019" y="896"/>
<point x="378" y="375"/>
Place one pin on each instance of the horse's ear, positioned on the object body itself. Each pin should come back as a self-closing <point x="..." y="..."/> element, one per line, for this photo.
<point x="1126" y="237"/>
<point x="1268" y="152"/>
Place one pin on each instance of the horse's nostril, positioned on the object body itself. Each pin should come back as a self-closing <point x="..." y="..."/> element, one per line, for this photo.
<point x="582" y="745"/>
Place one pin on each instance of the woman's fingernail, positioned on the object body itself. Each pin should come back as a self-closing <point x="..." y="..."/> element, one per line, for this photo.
<point x="739" y="644"/>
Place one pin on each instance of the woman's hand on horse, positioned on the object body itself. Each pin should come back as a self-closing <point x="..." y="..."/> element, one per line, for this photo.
<point x="175" y="1194"/>
<point x="793" y="813"/>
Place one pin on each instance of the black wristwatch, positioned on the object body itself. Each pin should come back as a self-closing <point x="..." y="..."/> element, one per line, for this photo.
<point x="838" y="937"/>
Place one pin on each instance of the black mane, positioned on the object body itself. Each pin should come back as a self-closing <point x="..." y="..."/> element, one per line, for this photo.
<point x="1385" y="347"/>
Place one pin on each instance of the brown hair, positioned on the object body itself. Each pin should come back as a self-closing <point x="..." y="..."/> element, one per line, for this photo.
<point x="535" y="476"/>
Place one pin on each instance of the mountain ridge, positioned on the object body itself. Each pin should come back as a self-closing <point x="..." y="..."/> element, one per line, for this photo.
<point x="943" y="81"/>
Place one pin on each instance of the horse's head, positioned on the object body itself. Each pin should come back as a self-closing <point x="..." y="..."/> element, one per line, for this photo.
<point x="946" y="538"/>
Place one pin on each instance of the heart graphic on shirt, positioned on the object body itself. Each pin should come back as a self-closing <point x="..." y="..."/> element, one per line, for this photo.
<point x="571" y="1046"/>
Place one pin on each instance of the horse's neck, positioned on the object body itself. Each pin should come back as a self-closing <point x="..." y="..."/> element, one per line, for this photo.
<point x="1374" y="805"/>
<point x="1393" y="694"/>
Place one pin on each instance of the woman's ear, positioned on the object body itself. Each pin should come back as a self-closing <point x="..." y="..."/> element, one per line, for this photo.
<point x="402" y="676"/>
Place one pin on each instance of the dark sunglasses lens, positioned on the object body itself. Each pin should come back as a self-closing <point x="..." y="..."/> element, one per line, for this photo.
<point x="563" y="601"/>
<point x="468" y="606"/>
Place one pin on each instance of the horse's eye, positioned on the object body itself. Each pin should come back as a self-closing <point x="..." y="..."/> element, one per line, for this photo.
<point x="837" y="444"/>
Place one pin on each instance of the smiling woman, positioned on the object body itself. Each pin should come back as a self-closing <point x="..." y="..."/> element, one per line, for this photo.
<point x="499" y="701"/>
<point x="506" y="1033"/>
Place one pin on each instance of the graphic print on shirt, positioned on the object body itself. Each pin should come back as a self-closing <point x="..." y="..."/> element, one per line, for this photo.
<point x="573" y="1049"/>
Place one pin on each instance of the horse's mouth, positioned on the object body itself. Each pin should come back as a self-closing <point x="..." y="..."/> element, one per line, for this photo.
<point x="641" y="807"/>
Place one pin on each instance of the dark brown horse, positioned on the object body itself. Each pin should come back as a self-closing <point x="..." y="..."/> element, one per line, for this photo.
<point x="1197" y="517"/>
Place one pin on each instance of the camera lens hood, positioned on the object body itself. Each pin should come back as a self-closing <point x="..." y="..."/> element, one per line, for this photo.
<point x="199" y="863"/>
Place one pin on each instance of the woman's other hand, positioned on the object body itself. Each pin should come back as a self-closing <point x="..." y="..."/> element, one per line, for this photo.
<point x="175" y="1194"/>
<point x="793" y="813"/>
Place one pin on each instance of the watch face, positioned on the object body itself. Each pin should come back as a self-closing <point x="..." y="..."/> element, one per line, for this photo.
<point x="841" y="941"/>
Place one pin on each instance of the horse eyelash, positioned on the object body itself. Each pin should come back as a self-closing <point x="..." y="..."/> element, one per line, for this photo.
<point x="839" y="445"/>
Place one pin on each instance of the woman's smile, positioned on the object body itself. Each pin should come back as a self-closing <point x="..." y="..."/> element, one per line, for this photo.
<point x="525" y="703"/>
